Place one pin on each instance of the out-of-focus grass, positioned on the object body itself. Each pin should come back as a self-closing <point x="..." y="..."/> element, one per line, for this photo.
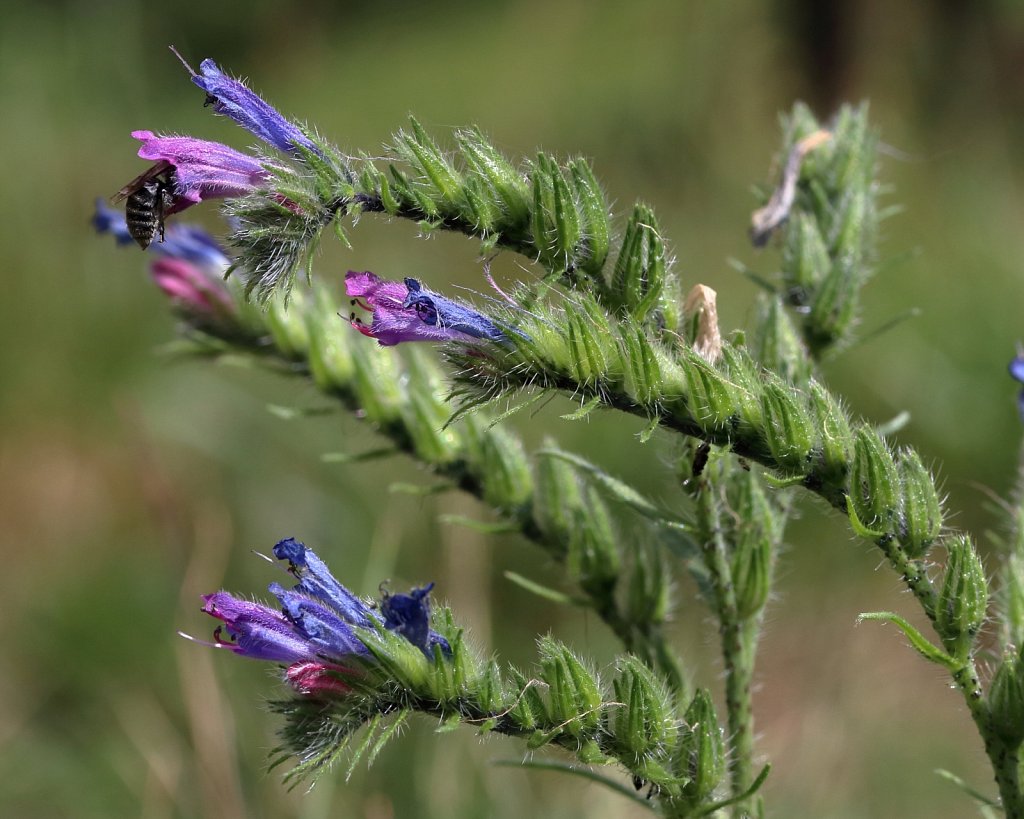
<point x="129" y="484"/>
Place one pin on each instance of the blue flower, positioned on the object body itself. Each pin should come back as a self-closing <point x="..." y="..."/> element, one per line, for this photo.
<point x="233" y="99"/>
<point x="1017" y="373"/>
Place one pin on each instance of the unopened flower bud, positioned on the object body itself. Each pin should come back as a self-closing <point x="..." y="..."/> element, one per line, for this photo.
<point x="963" y="599"/>
<point x="1006" y="700"/>
<point x="922" y="510"/>
<point x="874" y="486"/>
<point x="701" y="755"/>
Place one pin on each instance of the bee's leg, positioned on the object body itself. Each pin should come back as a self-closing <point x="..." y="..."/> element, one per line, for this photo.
<point x="164" y="201"/>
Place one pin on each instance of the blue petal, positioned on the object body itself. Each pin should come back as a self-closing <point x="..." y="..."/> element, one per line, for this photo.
<point x="233" y="99"/>
<point x="442" y="312"/>
<point x="1017" y="368"/>
<point x="409" y="615"/>
<point x="316" y="580"/>
<point x="323" y="628"/>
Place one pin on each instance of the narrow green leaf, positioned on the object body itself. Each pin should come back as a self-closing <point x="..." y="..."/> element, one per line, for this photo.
<point x="481" y="526"/>
<point x="755" y="786"/>
<point x="402" y="488"/>
<point x="386" y="735"/>
<point x="547" y="593"/>
<point x="978" y="796"/>
<point x="917" y="639"/>
<point x="358" y="457"/>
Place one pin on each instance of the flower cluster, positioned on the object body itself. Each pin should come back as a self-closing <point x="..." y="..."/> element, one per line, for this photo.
<point x="188" y="267"/>
<point x="195" y="170"/>
<point x="316" y="632"/>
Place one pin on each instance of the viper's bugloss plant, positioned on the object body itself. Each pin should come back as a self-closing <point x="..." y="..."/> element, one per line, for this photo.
<point x="747" y="419"/>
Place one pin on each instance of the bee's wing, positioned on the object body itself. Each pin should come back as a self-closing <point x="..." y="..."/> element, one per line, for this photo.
<point x="150" y="173"/>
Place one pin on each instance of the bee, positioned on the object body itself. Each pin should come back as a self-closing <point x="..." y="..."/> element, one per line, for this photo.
<point x="149" y="198"/>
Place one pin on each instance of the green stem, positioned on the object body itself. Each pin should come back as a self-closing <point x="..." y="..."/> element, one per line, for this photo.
<point x="738" y="643"/>
<point x="1005" y="757"/>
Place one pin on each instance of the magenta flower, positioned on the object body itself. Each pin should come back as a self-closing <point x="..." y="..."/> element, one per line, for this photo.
<point x="409" y="312"/>
<point x="316" y="632"/>
<point x="233" y="99"/>
<point x="191" y="289"/>
<point x="201" y="169"/>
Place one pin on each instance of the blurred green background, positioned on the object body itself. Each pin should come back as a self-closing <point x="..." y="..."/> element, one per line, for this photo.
<point x="130" y="484"/>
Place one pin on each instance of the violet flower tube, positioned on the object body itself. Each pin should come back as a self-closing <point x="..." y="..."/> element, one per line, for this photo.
<point x="407" y="311"/>
<point x="201" y="169"/>
<point x="233" y="99"/>
<point x="315" y="631"/>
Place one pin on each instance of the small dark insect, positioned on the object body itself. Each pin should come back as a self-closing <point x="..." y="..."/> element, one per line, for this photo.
<point x="149" y="197"/>
<point x="700" y="459"/>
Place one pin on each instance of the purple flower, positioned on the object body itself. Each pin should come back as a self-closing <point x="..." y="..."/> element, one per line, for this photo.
<point x="409" y="312"/>
<point x="233" y="99"/>
<point x="316" y="630"/>
<point x="255" y="630"/>
<point x="188" y="266"/>
<point x="201" y="169"/>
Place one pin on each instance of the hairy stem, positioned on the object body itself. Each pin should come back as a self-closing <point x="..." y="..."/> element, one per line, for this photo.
<point x="738" y="637"/>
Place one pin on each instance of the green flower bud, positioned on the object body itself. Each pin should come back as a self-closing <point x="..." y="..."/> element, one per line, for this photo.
<point x="745" y="374"/>
<point x="643" y="723"/>
<point x="963" y="599"/>
<point x="594" y="561"/>
<point x="649" y="592"/>
<point x="787" y="426"/>
<point x="503" y="179"/>
<point x="574" y="697"/>
<point x="1011" y="598"/>
<point x="701" y="755"/>
<point x="505" y="470"/>
<point x="378" y="383"/>
<point x="874" y="487"/>
<point x="1006" y="700"/>
<point x="836" y="440"/>
<point x="286" y="324"/>
<point x="639" y="274"/>
<point x="833" y="306"/>
<point x="330" y="357"/>
<point x="594" y="213"/>
<point x="805" y="258"/>
<point x="557" y="495"/>
<point x="709" y="395"/>
<point x="588" y="361"/>
<point x="922" y="510"/>
<point x="778" y="345"/>
<point x="754" y="539"/>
